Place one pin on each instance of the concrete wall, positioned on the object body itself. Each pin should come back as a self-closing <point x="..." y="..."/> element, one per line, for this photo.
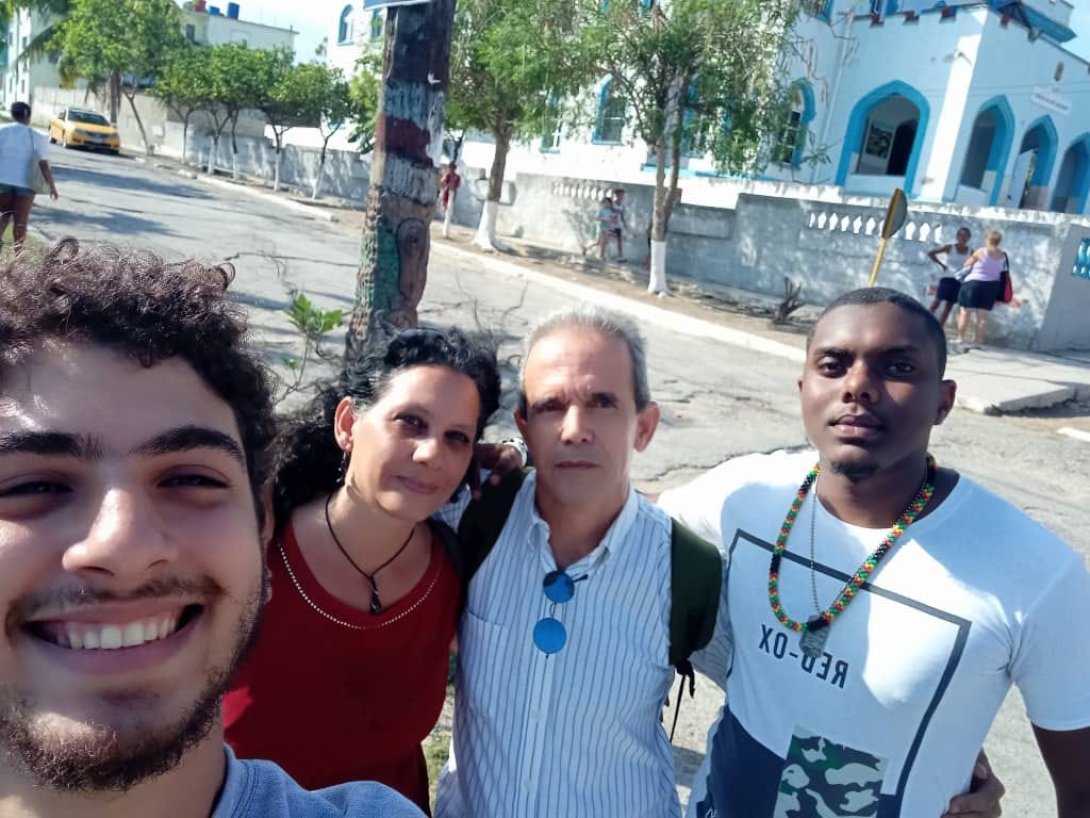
<point x="827" y="245"/>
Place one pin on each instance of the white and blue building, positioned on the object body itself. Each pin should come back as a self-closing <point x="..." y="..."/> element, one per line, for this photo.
<point x="976" y="102"/>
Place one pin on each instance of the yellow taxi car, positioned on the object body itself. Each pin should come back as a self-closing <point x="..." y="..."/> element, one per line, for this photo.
<point x="77" y="127"/>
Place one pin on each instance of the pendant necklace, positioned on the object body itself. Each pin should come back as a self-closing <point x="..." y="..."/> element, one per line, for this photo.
<point x="376" y="603"/>
<point x="815" y="630"/>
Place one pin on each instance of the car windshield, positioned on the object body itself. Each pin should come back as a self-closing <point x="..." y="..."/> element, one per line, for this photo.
<point x="88" y="117"/>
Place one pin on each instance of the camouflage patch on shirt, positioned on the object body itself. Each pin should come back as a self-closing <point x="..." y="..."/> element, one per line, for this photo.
<point x="823" y="779"/>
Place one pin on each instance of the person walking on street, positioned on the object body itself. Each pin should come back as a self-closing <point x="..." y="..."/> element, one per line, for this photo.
<point x="980" y="288"/>
<point x="604" y="222"/>
<point x="957" y="255"/>
<point x="20" y="145"/>
<point x="616" y="226"/>
<point x="449" y="182"/>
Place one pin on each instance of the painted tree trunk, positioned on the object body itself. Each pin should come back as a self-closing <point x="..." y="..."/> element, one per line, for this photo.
<point x="234" y="149"/>
<point x="657" y="283"/>
<point x="666" y="195"/>
<point x="318" y="177"/>
<point x="140" y="125"/>
<point x="115" y="96"/>
<point x="486" y="228"/>
<point x="404" y="176"/>
<point x="448" y="216"/>
<point x="213" y="152"/>
<point x="276" y="169"/>
<point x="185" y="143"/>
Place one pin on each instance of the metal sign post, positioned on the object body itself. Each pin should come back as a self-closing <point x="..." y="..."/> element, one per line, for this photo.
<point x="896" y="214"/>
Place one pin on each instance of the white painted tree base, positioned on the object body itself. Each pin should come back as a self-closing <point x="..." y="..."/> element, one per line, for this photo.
<point x="448" y="217"/>
<point x="486" y="230"/>
<point x="657" y="283"/>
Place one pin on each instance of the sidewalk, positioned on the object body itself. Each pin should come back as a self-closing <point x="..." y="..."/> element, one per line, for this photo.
<point x="990" y="380"/>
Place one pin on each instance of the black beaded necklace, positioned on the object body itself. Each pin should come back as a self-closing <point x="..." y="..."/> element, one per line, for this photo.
<point x="376" y="603"/>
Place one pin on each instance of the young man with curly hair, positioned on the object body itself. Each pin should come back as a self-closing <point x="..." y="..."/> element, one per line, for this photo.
<point x="134" y="424"/>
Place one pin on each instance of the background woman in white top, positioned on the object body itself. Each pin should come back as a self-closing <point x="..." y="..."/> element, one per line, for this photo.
<point x="18" y="144"/>
<point x="956" y="257"/>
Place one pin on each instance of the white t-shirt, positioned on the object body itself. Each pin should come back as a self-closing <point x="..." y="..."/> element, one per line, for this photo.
<point x="974" y="597"/>
<point x="17" y="143"/>
<point x="956" y="260"/>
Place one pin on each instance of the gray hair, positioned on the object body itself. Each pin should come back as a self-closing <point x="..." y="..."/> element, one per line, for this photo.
<point x="605" y="322"/>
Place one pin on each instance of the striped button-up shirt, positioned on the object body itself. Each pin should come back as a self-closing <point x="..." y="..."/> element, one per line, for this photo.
<point x="576" y="733"/>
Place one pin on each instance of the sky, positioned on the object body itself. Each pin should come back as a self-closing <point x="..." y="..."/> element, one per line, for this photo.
<point x="1080" y="23"/>
<point x="313" y="19"/>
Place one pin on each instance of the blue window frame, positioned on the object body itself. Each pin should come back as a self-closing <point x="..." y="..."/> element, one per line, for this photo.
<point x="612" y="115"/>
<point x="344" y="27"/>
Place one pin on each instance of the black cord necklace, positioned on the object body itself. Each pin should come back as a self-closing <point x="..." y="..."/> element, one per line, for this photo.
<point x="376" y="603"/>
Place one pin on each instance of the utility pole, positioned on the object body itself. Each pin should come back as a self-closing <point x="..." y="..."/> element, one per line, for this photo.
<point x="404" y="174"/>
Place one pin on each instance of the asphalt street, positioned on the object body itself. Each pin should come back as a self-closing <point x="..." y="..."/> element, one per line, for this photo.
<point x="718" y="401"/>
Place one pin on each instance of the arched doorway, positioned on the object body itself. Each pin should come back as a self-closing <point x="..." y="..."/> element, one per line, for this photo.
<point x="1073" y="181"/>
<point x="884" y="139"/>
<point x="1033" y="167"/>
<point x="987" y="153"/>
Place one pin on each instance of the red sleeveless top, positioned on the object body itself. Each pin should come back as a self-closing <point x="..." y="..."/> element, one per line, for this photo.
<point x="334" y="694"/>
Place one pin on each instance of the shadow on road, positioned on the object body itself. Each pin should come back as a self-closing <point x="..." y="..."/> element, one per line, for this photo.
<point x="58" y="221"/>
<point x="105" y="179"/>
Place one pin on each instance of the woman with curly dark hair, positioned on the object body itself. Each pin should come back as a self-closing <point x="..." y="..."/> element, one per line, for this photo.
<point x="349" y="673"/>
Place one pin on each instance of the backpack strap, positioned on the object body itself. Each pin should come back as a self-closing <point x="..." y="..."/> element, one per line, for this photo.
<point x="696" y="579"/>
<point x="482" y="522"/>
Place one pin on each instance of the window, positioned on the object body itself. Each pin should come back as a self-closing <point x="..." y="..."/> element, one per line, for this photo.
<point x="377" y="25"/>
<point x="553" y="126"/>
<point x="788" y="139"/>
<point x="344" y="27"/>
<point x="612" y="110"/>
<point x="791" y="140"/>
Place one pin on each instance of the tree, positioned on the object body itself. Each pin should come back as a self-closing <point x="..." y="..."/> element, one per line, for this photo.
<point x="694" y="76"/>
<point x="363" y="91"/>
<point x="288" y="97"/>
<point x="182" y="86"/>
<point x="125" y="41"/>
<point x="512" y="62"/>
<point x="404" y="179"/>
<point x="334" y="108"/>
<point x="239" y="78"/>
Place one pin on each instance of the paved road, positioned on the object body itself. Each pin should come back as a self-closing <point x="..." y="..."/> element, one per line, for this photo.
<point x="718" y="401"/>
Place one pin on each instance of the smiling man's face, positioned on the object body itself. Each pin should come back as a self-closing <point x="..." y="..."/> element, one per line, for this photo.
<point x="131" y="572"/>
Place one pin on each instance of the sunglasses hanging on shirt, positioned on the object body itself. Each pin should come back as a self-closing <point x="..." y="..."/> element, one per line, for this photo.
<point x="550" y="635"/>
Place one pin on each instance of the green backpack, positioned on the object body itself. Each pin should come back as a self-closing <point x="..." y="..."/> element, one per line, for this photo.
<point x="696" y="571"/>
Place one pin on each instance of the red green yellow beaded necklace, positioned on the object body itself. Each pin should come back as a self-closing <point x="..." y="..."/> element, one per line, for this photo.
<point x="815" y="630"/>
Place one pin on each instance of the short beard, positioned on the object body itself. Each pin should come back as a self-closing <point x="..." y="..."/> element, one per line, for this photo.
<point x="853" y="472"/>
<point x="100" y="761"/>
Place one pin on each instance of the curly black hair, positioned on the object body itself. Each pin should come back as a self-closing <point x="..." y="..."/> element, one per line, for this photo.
<point x="307" y="459"/>
<point x="149" y="310"/>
